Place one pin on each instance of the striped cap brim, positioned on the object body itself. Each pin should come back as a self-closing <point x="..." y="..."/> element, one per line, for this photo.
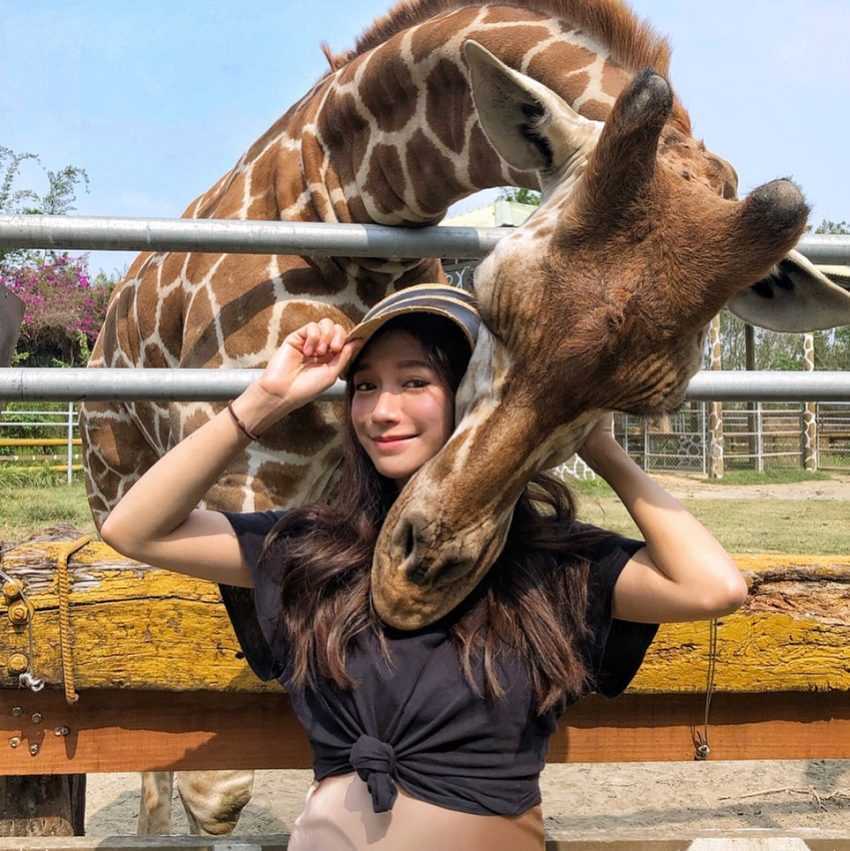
<point x="439" y="299"/>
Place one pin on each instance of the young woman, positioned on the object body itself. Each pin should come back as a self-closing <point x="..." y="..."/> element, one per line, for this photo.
<point x="434" y="738"/>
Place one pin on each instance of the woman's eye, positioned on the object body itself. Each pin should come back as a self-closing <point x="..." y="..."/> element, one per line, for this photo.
<point x="416" y="382"/>
<point x="363" y="386"/>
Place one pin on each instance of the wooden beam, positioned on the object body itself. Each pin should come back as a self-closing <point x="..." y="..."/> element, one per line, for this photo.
<point x="136" y="627"/>
<point x="141" y="731"/>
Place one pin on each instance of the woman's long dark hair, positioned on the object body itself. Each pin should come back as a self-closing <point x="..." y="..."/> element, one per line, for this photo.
<point x="531" y="603"/>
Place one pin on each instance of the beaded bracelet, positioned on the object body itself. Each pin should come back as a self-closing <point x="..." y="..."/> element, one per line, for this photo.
<point x="242" y="427"/>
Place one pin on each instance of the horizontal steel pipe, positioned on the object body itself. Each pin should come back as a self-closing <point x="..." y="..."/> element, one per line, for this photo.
<point x="244" y="237"/>
<point x="105" y="233"/>
<point x="18" y="384"/>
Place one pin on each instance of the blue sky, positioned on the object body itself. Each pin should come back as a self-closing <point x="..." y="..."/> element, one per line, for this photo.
<point x="156" y="100"/>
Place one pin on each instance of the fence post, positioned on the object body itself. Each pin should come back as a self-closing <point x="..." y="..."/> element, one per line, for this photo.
<point x="810" y="428"/>
<point x="759" y="439"/>
<point x="70" y="432"/>
<point x="715" y="418"/>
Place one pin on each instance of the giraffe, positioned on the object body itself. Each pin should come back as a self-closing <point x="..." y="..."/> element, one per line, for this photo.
<point x="392" y="134"/>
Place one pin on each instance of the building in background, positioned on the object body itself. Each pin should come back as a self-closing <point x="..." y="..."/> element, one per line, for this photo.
<point x="502" y="213"/>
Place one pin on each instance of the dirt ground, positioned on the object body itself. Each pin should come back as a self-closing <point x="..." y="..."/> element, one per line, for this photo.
<point x="583" y="798"/>
<point x="683" y="487"/>
<point x="577" y="799"/>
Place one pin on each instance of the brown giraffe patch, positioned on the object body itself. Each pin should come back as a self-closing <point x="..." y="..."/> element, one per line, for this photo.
<point x="501" y="13"/>
<point x="228" y="204"/>
<point x="336" y="190"/>
<point x="340" y="122"/>
<point x="308" y="430"/>
<point x="484" y="168"/>
<point x="346" y="75"/>
<point x="271" y="477"/>
<point x="170" y="325"/>
<point x="528" y="179"/>
<point x="126" y="340"/>
<point x="432" y="174"/>
<point x="153" y="357"/>
<point x="200" y="342"/>
<point x="373" y="287"/>
<point x="388" y="89"/>
<point x="358" y="210"/>
<point x="448" y="104"/>
<point x="510" y="45"/>
<point x="556" y="66"/>
<point x="432" y="37"/>
<point x="200" y="265"/>
<point x="595" y="110"/>
<point x="236" y="273"/>
<point x="172" y="267"/>
<point x="147" y="299"/>
<point x="614" y="79"/>
<point x="385" y="181"/>
<point x="137" y="264"/>
<point x="308" y="281"/>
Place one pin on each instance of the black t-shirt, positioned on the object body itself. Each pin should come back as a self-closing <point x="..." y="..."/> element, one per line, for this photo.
<point x="419" y="724"/>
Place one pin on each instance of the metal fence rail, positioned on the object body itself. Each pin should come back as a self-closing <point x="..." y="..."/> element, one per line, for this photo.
<point x="107" y="233"/>
<point x="47" y="383"/>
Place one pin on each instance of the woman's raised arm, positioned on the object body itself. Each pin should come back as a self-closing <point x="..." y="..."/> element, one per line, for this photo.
<point x="157" y="521"/>
<point x="684" y="573"/>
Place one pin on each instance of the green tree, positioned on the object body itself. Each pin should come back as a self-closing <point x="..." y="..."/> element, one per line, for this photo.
<point x="59" y="199"/>
<point x="521" y="195"/>
<point x="833" y="228"/>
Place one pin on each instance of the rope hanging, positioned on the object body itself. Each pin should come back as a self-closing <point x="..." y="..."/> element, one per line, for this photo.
<point x="702" y="749"/>
<point x="66" y="641"/>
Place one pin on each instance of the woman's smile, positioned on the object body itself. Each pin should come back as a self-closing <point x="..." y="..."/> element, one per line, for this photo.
<point x="394" y="440"/>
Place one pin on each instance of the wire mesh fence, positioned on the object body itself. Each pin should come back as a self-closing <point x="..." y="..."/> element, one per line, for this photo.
<point x="757" y="436"/>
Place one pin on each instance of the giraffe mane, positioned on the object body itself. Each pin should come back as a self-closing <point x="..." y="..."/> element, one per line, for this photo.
<point x="633" y="43"/>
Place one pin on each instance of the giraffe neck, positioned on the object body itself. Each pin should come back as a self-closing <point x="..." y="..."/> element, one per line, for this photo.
<point x="393" y="138"/>
<point x="398" y="128"/>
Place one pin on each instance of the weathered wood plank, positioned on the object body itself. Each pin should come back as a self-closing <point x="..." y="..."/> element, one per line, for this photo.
<point x="744" y="839"/>
<point x="136" y="731"/>
<point x="143" y="628"/>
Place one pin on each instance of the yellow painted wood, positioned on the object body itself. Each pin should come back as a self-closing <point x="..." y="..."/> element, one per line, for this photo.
<point x="36" y="441"/>
<point x="139" y="627"/>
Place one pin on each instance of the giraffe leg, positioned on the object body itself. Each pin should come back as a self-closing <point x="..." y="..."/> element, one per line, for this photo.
<point x="214" y="800"/>
<point x="155" y="809"/>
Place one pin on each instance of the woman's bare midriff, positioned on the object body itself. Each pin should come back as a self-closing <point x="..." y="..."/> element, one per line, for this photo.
<point x="338" y="816"/>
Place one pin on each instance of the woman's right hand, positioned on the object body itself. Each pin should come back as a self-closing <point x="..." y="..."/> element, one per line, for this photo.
<point x="308" y="362"/>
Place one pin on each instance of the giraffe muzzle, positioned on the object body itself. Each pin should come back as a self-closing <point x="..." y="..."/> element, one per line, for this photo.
<point x="418" y="577"/>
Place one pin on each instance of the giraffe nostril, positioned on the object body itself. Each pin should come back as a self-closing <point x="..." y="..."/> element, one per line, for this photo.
<point x="409" y="538"/>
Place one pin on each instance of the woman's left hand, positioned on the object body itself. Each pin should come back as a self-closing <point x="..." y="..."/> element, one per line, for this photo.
<point x="600" y="443"/>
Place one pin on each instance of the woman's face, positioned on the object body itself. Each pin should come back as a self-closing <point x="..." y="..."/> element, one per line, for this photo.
<point x="402" y="409"/>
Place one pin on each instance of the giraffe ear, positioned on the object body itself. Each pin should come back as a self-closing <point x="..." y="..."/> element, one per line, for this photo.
<point x="794" y="297"/>
<point x="530" y="126"/>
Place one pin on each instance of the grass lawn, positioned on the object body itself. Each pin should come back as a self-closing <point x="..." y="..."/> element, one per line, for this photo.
<point x="24" y="511"/>
<point x="814" y="527"/>
<point x="773" y="476"/>
<point x="742" y="525"/>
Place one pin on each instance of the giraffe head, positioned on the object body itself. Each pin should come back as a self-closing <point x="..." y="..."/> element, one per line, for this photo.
<point x="599" y="302"/>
